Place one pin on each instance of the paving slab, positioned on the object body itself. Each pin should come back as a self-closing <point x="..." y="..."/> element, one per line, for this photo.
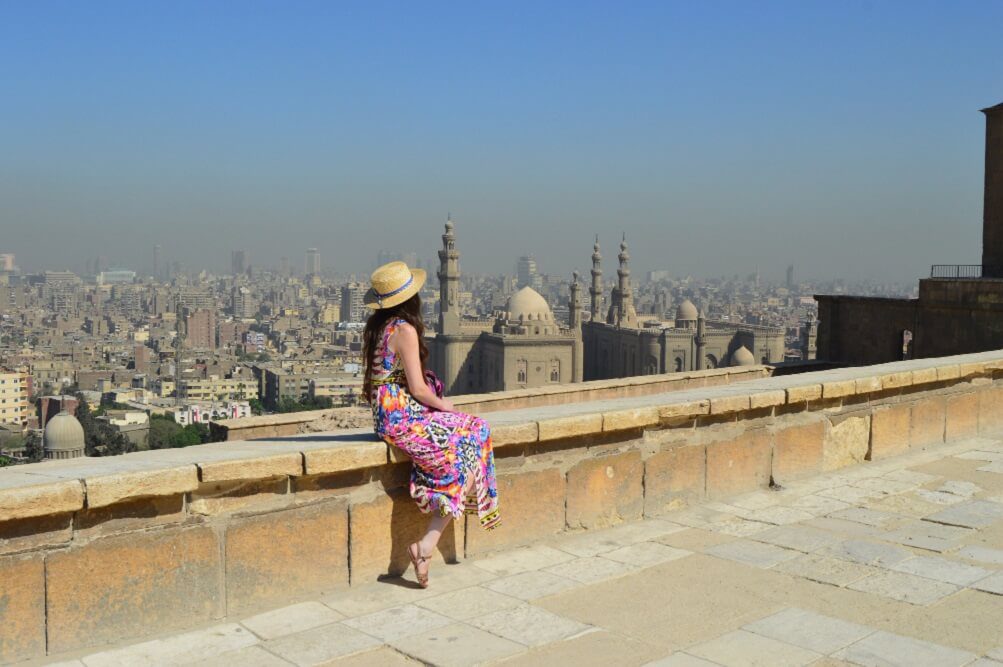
<point x="798" y="537"/>
<point x="985" y="662"/>
<point x="982" y="554"/>
<point x="884" y="485"/>
<point x="398" y="622"/>
<point x="469" y="602"/>
<point x="960" y="488"/>
<point x="177" y="650"/>
<point x="868" y="517"/>
<point x="646" y="554"/>
<point x="979" y="455"/>
<point x="867" y="553"/>
<point x="320" y="645"/>
<point x="995" y="654"/>
<point x="529" y="625"/>
<point x="291" y="619"/>
<point x="995" y="467"/>
<point x="991" y="584"/>
<point x="843" y="527"/>
<point x="383" y="656"/>
<point x="815" y="632"/>
<point x="395" y="591"/>
<point x="909" y="505"/>
<point x="752" y="553"/>
<point x="886" y="649"/>
<point x="532" y="585"/>
<point x="928" y="536"/>
<point x="746" y="649"/>
<point x="738" y="527"/>
<point x="910" y="476"/>
<point x="826" y="570"/>
<point x="942" y="569"/>
<point x="780" y="516"/>
<point x="818" y="505"/>
<point x="522" y="560"/>
<point x="940" y="497"/>
<point x="904" y="587"/>
<point x="591" y="570"/>
<point x="682" y="659"/>
<point x="975" y="514"/>
<point x="853" y="495"/>
<point x="457" y="645"/>
<point x="252" y="656"/>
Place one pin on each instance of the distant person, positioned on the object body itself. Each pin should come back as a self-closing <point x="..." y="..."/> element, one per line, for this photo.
<point x="453" y="464"/>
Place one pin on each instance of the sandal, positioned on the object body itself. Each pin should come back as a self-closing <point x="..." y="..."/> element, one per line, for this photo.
<point x="416" y="559"/>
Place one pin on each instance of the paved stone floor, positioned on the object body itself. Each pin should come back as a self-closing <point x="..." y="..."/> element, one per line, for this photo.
<point x="897" y="562"/>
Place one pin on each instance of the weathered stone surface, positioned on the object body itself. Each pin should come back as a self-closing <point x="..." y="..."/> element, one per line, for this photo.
<point x="282" y="555"/>
<point x="839" y="388"/>
<point x="120" y="587"/>
<point x="809" y="630"/>
<point x="735" y="403"/>
<point x="252" y="496"/>
<point x="767" y="399"/>
<point x="905" y="587"/>
<point x="138" y="514"/>
<point x="991" y="410"/>
<point x="505" y="435"/>
<point x="630" y="418"/>
<point x="846" y="442"/>
<point x="949" y="372"/>
<point x="797" y="451"/>
<point x="889" y="431"/>
<point x="885" y="648"/>
<point x="927" y="425"/>
<point x="39" y="532"/>
<point x="924" y="375"/>
<point x="896" y="380"/>
<point x="867" y="385"/>
<point x="683" y="410"/>
<point x="106" y="490"/>
<point x="252" y="468"/>
<point x="23" y="496"/>
<point x="808" y="392"/>
<point x="22" y="608"/>
<point x="344" y="457"/>
<point x="740" y="464"/>
<point x="531" y="506"/>
<point x="675" y="478"/>
<point x="570" y="427"/>
<point x="383" y="528"/>
<point x="605" y="491"/>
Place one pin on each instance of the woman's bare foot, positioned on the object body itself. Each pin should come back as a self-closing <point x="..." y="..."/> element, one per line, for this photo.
<point x="420" y="562"/>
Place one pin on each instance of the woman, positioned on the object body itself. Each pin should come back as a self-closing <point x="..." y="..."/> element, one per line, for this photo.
<point x="453" y="465"/>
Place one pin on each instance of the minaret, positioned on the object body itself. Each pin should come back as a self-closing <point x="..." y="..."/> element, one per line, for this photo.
<point x="449" y="283"/>
<point x="992" y="211"/>
<point x="626" y="315"/>
<point x="701" y="341"/>
<point x="596" y="290"/>
<point x="809" y="334"/>
<point x="575" y="322"/>
<point x="574" y="304"/>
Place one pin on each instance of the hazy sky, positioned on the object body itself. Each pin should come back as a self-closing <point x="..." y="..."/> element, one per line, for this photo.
<point x="843" y="136"/>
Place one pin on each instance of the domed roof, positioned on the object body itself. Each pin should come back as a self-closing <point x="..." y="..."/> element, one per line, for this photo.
<point x="686" y="311"/>
<point x="742" y="357"/>
<point x="527" y="304"/>
<point x="64" y="432"/>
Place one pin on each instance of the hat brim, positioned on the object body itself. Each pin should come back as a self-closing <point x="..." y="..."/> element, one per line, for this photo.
<point x="375" y="303"/>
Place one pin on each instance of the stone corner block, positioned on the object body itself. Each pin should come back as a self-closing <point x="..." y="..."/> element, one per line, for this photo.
<point x="107" y="490"/>
<point x="571" y="426"/>
<point x="345" y="457"/>
<point x="510" y="435"/>
<point x="252" y="467"/>
<point x="40" y="497"/>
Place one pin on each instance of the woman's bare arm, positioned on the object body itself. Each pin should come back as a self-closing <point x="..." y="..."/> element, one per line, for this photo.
<point x="404" y="342"/>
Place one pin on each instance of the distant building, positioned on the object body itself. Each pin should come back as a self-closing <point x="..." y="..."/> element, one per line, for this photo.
<point x="14" y="406"/>
<point x="116" y="277"/>
<point x="526" y="275"/>
<point x="200" y="329"/>
<point x="203" y="413"/>
<point x="238" y="262"/>
<point x="353" y="307"/>
<point x="63" y="437"/>
<point x="312" y="262"/>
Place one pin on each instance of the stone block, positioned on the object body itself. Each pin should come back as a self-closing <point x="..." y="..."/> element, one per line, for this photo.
<point x="252" y="496"/>
<point x="962" y="416"/>
<point x="924" y="375"/>
<point x="896" y="380"/>
<point x="734" y="403"/>
<point x="674" y="478"/>
<point x="106" y="490"/>
<point x="767" y="399"/>
<point x="558" y="428"/>
<point x="532" y="509"/>
<point x="951" y="372"/>
<point x="505" y="435"/>
<point x="991" y="410"/>
<point x="889" y="430"/>
<point x="738" y="465"/>
<point x="33" y="533"/>
<point x="630" y="418"/>
<point x="867" y="385"/>
<point x="383" y="528"/>
<point x="120" y="587"/>
<point x="808" y="392"/>
<point x="684" y="410"/>
<point x="971" y="369"/>
<point x="839" y="388"/>
<point x="252" y="468"/>
<point x="397" y="455"/>
<point x="287" y="554"/>
<point x="846" y="442"/>
<point x="927" y="424"/>
<point x="22" y="608"/>
<point x="23" y="496"/>
<point x="345" y="457"/>
<point x="797" y="451"/>
<point x="605" y="491"/>
<point x="130" y="515"/>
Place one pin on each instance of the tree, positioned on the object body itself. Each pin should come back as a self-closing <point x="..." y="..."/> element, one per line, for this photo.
<point x="100" y="437"/>
<point x="33" y="448"/>
<point x="257" y="407"/>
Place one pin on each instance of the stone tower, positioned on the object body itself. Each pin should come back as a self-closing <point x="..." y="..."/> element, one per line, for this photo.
<point x="449" y="283"/>
<point x="809" y="334"/>
<point x="626" y="315"/>
<point x="992" y="212"/>
<point x="574" y="304"/>
<point x="575" y="323"/>
<point x="701" y="342"/>
<point x="595" y="291"/>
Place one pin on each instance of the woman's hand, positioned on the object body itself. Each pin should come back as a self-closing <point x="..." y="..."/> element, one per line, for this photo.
<point x="446" y="405"/>
<point x="404" y="342"/>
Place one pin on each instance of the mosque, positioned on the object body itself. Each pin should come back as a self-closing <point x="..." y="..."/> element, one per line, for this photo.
<point x="63" y="437"/>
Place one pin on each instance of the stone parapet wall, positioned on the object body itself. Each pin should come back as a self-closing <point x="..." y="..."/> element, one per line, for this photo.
<point x="101" y="550"/>
<point x="270" y="426"/>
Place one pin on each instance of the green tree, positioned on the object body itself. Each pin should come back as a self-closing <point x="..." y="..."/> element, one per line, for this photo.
<point x="162" y="429"/>
<point x="257" y="407"/>
<point x="100" y="437"/>
<point x="33" y="448"/>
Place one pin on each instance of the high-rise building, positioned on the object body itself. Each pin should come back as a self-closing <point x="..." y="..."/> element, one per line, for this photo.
<point x="7" y="262"/>
<point x="790" y="277"/>
<point x="14" y="406"/>
<point x="284" y="266"/>
<point x="200" y="329"/>
<point x="156" y="262"/>
<point x="526" y="275"/>
<point x="312" y="261"/>
<point x="353" y="307"/>
<point x="238" y="262"/>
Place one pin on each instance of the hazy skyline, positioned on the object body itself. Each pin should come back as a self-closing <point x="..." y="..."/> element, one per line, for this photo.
<point x="842" y="138"/>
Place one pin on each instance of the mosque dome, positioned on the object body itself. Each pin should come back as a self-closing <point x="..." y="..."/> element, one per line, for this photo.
<point x="63" y="437"/>
<point x="742" y="357"/>
<point x="526" y="305"/>
<point x="686" y="312"/>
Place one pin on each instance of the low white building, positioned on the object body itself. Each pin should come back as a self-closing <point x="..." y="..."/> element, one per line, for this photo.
<point x="203" y="413"/>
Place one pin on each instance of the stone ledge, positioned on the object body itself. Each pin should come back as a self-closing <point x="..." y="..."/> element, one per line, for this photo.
<point x="26" y="496"/>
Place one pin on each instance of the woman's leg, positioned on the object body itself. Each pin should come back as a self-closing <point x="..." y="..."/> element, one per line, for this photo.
<point x="436" y="525"/>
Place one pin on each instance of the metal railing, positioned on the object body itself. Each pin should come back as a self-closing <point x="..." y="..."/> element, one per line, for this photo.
<point x="966" y="271"/>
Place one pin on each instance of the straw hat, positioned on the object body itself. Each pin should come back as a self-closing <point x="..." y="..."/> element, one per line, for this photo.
<point x="393" y="284"/>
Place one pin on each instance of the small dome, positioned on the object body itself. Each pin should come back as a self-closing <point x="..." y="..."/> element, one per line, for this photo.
<point x="742" y="357"/>
<point x="686" y="311"/>
<point x="527" y="304"/>
<point x="64" y="433"/>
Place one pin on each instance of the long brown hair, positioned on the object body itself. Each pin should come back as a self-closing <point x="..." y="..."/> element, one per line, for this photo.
<point x="410" y="312"/>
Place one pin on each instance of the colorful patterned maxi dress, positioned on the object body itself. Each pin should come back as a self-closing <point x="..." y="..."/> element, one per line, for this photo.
<point x="447" y="448"/>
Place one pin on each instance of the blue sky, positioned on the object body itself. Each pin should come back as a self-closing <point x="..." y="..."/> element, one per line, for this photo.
<point x="721" y="136"/>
